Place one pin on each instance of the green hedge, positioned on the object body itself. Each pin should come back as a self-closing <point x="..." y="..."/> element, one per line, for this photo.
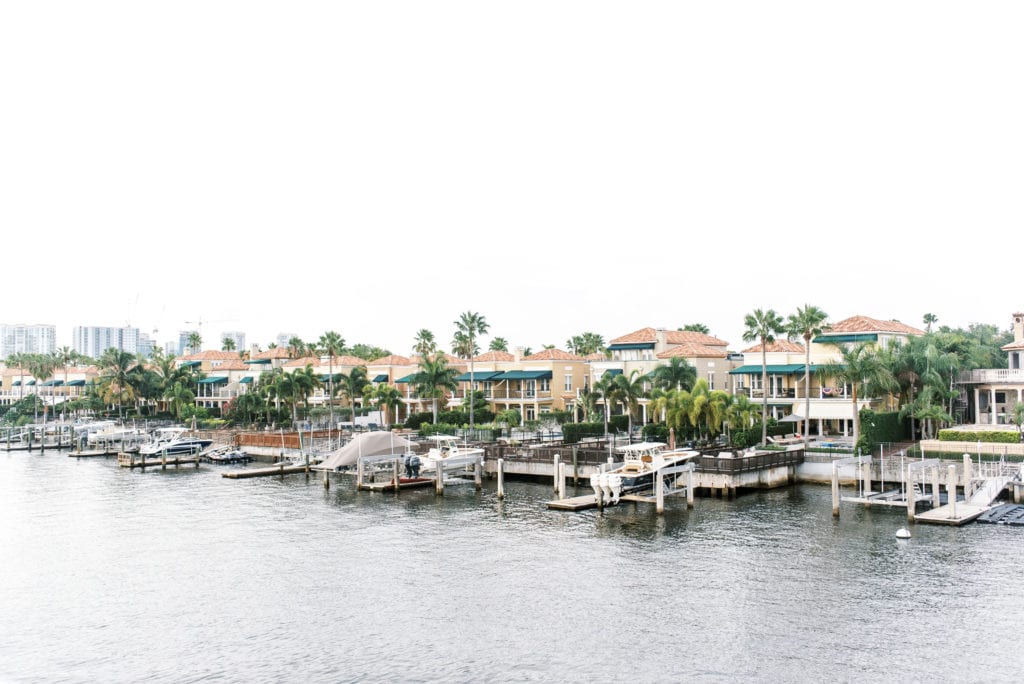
<point x="1000" y="436"/>
<point x="618" y="423"/>
<point x="574" y="432"/>
<point x="655" y="432"/>
<point x="880" y="428"/>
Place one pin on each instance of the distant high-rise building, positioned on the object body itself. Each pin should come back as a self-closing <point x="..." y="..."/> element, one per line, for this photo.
<point x="237" y="337"/>
<point x="183" y="346"/>
<point x="27" y="339"/>
<point x="283" y="338"/>
<point x="146" y="345"/>
<point x="92" y="341"/>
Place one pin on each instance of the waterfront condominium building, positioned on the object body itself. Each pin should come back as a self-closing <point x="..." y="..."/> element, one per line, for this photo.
<point x="27" y="339"/>
<point x="92" y="341"/>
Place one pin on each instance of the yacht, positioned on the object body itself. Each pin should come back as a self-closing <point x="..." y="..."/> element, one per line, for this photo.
<point x="447" y="450"/>
<point x="173" y="441"/>
<point x="640" y="463"/>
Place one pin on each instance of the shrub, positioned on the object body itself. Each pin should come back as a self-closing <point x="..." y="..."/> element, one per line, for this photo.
<point x="1000" y="436"/>
<point x="415" y="420"/>
<point x="574" y="432"/>
<point x="618" y="423"/>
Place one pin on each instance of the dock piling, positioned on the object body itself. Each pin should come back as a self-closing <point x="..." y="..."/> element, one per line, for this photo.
<point x="501" y="478"/>
<point x="478" y="473"/>
<point x="835" y="489"/>
<point x="689" y="488"/>
<point x="560" y="480"/>
<point x="439" y="479"/>
<point x="327" y="479"/>
<point x="659" y="489"/>
<point x="554" y="479"/>
<point x="951" y="486"/>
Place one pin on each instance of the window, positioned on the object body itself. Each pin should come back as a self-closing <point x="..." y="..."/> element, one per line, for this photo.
<point x="568" y="383"/>
<point x="711" y="380"/>
<point x="545" y="384"/>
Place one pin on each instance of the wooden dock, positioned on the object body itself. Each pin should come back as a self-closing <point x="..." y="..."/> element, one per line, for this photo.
<point x="131" y="460"/>
<point x="574" y="503"/>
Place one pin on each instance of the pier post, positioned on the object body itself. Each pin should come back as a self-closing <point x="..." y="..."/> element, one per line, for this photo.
<point x="327" y="479"/>
<point x="554" y="473"/>
<point x="575" y="468"/>
<point x="478" y="473"/>
<point x="561" y="480"/>
<point x="968" y="474"/>
<point x="911" y="504"/>
<point x="501" y="478"/>
<point x="659" y="492"/>
<point x="865" y="471"/>
<point x="689" y="488"/>
<point x="951" y="488"/>
<point x="394" y="474"/>
<point x="359" y="473"/>
<point x="835" y="489"/>
<point x="30" y="439"/>
<point x="439" y="478"/>
<point x="936" y="489"/>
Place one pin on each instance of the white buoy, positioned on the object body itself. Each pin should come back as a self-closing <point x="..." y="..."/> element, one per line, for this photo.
<point x="903" y="533"/>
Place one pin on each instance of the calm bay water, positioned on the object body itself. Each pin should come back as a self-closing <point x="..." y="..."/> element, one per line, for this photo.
<point x="115" y="575"/>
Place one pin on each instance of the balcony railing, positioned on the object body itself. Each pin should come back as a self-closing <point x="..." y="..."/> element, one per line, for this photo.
<point x="993" y="375"/>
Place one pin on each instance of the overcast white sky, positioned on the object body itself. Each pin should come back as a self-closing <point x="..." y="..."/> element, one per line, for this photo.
<point x="376" y="168"/>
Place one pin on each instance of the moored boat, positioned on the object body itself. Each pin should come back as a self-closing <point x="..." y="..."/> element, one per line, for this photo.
<point x="641" y="462"/>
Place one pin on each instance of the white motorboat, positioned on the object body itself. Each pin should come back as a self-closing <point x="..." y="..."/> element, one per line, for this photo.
<point x="173" y="441"/>
<point x="115" y="435"/>
<point x="447" y="451"/>
<point x="640" y="463"/>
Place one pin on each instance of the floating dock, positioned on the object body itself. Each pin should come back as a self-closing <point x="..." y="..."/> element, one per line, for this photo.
<point x="959" y="513"/>
<point x="1005" y="514"/>
<point x="266" y="472"/>
<point x="132" y="460"/>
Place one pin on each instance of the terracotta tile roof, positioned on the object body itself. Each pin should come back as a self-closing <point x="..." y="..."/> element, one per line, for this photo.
<point x="1013" y="346"/>
<point x="863" y="324"/>
<point x="393" y="360"/>
<point x="347" y="360"/>
<point x="415" y="359"/>
<point x="233" y="365"/>
<point x="303" y="362"/>
<point x="553" y="355"/>
<point x="693" y="350"/>
<point x="495" y="355"/>
<point x="596" y="356"/>
<point x="671" y="337"/>
<point x="777" y="346"/>
<point x="275" y="353"/>
<point x="210" y="355"/>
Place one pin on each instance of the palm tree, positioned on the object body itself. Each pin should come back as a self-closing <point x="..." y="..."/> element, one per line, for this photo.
<point x="859" y="366"/>
<point x="20" y="360"/>
<point x="65" y="356"/>
<point x="116" y="368"/>
<point x="180" y="395"/>
<point x="498" y="344"/>
<point x="630" y="390"/>
<point x="763" y="326"/>
<point x="678" y="374"/>
<point x="332" y="344"/>
<point x="425" y="344"/>
<point x="808" y="322"/>
<point x="584" y="344"/>
<point x="41" y="366"/>
<point x="471" y="325"/>
<point x="352" y="386"/>
<point x="227" y="344"/>
<point x="296" y="348"/>
<point x="385" y="397"/>
<point x="434" y="378"/>
<point x="195" y="341"/>
<point x="606" y="389"/>
<point x="929" y="318"/>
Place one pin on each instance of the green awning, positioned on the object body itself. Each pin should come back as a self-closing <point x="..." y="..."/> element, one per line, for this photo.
<point x="407" y="378"/>
<point x="30" y="382"/>
<point x="773" y="369"/>
<point x="383" y="377"/>
<point x="246" y="380"/>
<point x="257" y="360"/>
<point x="213" y="381"/>
<point x="842" y="339"/>
<point x="16" y="383"/>
<point x="76" y="383"/>
<point x="326" y="376"/>
<point x="631" y="345"/>
<point x="479" y="376"/>
<point x="53" y="383"/>
<point x="524" y="375"/>
<point x="191" y="364"/>
<point x="613" y="371"/>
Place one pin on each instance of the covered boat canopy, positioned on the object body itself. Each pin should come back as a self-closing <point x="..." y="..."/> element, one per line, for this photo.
<point x="366" y="444"/>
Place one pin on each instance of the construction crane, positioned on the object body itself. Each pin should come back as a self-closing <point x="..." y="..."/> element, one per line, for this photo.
<point x="200" y="321"/>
